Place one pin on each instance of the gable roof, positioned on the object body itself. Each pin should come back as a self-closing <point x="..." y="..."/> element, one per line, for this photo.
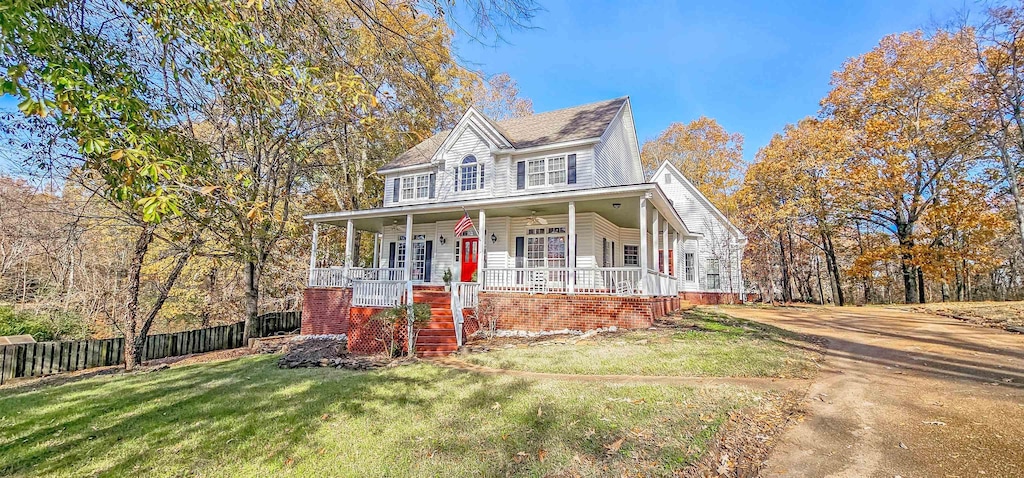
<point x="668" y="168"/>
<point x="559" y="126"/>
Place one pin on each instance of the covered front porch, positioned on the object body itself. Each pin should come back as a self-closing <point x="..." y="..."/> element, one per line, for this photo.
<point x="610" y="241"/>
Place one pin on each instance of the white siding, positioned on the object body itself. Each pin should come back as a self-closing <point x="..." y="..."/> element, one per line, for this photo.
<point x="616" y="157"/>
<point x="469" y="142"/>
<point x="718" y="239"/>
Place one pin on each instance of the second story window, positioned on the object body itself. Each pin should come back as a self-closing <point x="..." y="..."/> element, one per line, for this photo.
<point x="468" y="173"/>
<point x="418" y="186"/>
<point x="549" y="171"/>
<point x="408" y="188"/>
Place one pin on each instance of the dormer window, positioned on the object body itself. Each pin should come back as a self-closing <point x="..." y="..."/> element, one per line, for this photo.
<point x="470" y="174"/>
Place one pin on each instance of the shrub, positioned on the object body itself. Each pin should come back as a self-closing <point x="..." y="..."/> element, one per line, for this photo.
<point x="43" y="326"/>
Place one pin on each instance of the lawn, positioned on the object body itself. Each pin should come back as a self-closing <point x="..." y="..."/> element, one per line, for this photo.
<point x="246" y="417"/>
<point x="701" y="342"/>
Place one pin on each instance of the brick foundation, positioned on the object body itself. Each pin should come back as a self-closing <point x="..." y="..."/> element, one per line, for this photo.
<point x="710" y="298"/>
<point x="539" y="312"/>
<point x="330" y="311"/>
<point x="325" y="311"/>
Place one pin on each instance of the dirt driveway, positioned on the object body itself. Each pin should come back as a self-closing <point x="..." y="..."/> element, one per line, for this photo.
<point x="903" y="394"/>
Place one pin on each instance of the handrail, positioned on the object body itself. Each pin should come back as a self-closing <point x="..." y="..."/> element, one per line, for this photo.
<point x="457" y="318"/>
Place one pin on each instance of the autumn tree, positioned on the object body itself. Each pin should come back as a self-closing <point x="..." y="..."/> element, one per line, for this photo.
<point x="709" y="156"/>
<point x="914" y="112"/>
<point x="497" y="97"/>
<point x="999" y="51"/>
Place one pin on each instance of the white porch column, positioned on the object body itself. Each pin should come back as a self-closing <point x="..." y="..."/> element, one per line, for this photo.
<point x="312" y="252"/>
<point x="676" y="253"/>
<point x="643" y="246"/>
<point x="482" y="244"/>
<point x="664" y="247"/>
<point x="376" y="250"/>
<point x="408" y="281"/>
<point x="571" y="252"/>
<point x="350" y="244"/>
<point x="655" y="253"/>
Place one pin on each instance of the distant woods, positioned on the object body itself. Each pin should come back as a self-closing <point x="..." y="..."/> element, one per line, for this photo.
<point x="171" y="148"/>
<point x="905" y="187"/>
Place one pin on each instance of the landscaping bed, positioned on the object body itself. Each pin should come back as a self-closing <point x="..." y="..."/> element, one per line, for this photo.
<point x="699" y="342"/>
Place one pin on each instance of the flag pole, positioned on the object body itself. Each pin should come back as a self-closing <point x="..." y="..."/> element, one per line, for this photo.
<point x="471" y="223"/>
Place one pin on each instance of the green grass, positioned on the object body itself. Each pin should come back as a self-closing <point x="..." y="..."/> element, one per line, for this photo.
<point x="246" y="417"/>
<point x="704" y="343"/>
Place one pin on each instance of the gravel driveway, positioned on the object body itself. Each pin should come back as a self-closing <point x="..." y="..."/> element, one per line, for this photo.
<point x="903" y="394"/>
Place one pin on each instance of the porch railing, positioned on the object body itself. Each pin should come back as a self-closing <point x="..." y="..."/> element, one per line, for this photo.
<point x="467" y="293"/>
<point x="338" y="276"/>
<point x="376" y="293"/>
<point x="596" y="280"/>
<point x="328" y="277"/>
<point x="380" y="273"/>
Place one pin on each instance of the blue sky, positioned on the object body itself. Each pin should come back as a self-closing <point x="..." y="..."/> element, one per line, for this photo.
<point x="753" y="66"/>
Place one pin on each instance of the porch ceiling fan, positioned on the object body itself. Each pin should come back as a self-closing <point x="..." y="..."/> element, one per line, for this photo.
<point x="534" y="220"/>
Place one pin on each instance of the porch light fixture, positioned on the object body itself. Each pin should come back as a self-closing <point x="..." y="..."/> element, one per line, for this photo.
<point x="441" y="239"/>
<point x="616" y="205"/>
<point x="494" y="238"/>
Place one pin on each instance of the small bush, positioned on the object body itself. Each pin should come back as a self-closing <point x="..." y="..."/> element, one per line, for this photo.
<point x="43" y="326"/>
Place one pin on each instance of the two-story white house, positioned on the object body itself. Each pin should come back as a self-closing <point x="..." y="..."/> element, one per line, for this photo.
<point x="566" y="233"/>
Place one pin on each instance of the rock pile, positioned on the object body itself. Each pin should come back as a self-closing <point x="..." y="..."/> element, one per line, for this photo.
<point x="310" y="350"/>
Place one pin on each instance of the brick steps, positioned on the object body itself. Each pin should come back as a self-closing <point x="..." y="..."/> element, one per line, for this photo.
<point x="436" y="338"/>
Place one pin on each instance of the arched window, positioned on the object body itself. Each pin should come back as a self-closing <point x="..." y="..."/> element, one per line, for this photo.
<point x="469" y="174"/>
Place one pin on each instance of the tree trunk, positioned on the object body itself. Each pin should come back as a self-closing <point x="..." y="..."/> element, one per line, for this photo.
<point x="133" y="340"/>
<point x="787" y="293"/>
<point x="1010" y="168"/>
<point x="920" y="285"/>
<point x="254" y="271"/>
<point x="907" y="269"/>
<point x="833" y="269"/>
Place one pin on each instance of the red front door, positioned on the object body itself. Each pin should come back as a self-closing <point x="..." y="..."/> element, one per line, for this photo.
<point x="469" y="258"/>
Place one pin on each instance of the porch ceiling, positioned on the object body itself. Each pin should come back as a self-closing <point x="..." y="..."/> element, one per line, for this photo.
<point x="601" y="201"/>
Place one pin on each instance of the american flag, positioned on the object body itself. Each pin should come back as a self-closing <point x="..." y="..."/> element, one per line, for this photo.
<point x="463" y="225"/>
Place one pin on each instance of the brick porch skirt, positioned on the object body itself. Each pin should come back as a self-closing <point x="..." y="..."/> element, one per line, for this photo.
<point x="540" y="312"/>
<point x="711" y="298"/>
<point x="330" y="311"/>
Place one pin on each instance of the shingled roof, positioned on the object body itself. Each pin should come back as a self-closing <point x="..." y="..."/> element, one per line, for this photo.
<point x="559" y="126"/>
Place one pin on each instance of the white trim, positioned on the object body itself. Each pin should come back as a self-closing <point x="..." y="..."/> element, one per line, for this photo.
<point x="473" y="119"/>
<point x="550" y="146"/>
<point x="405" y="169"/>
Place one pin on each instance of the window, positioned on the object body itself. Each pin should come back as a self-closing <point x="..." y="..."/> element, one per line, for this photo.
<point x="546" y="247"/>
<point x="422" y="186"/>
<point x="688" y="267"/>
<point x="631" y="255"/>
<point x="546" y="171"/>
<point x="408" y="187"/>
<point x="419" y="256"/>
<point x="714" y="279"/>
<point x="415" y="187"/>
<point x="536" y="172"/>
<point x="605" y="252"/>
<point x="556" y="170"/>
<point x="468" y="174"/>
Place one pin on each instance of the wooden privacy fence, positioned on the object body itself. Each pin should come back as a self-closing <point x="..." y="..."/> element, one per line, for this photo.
<point x="46" y="358"/>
